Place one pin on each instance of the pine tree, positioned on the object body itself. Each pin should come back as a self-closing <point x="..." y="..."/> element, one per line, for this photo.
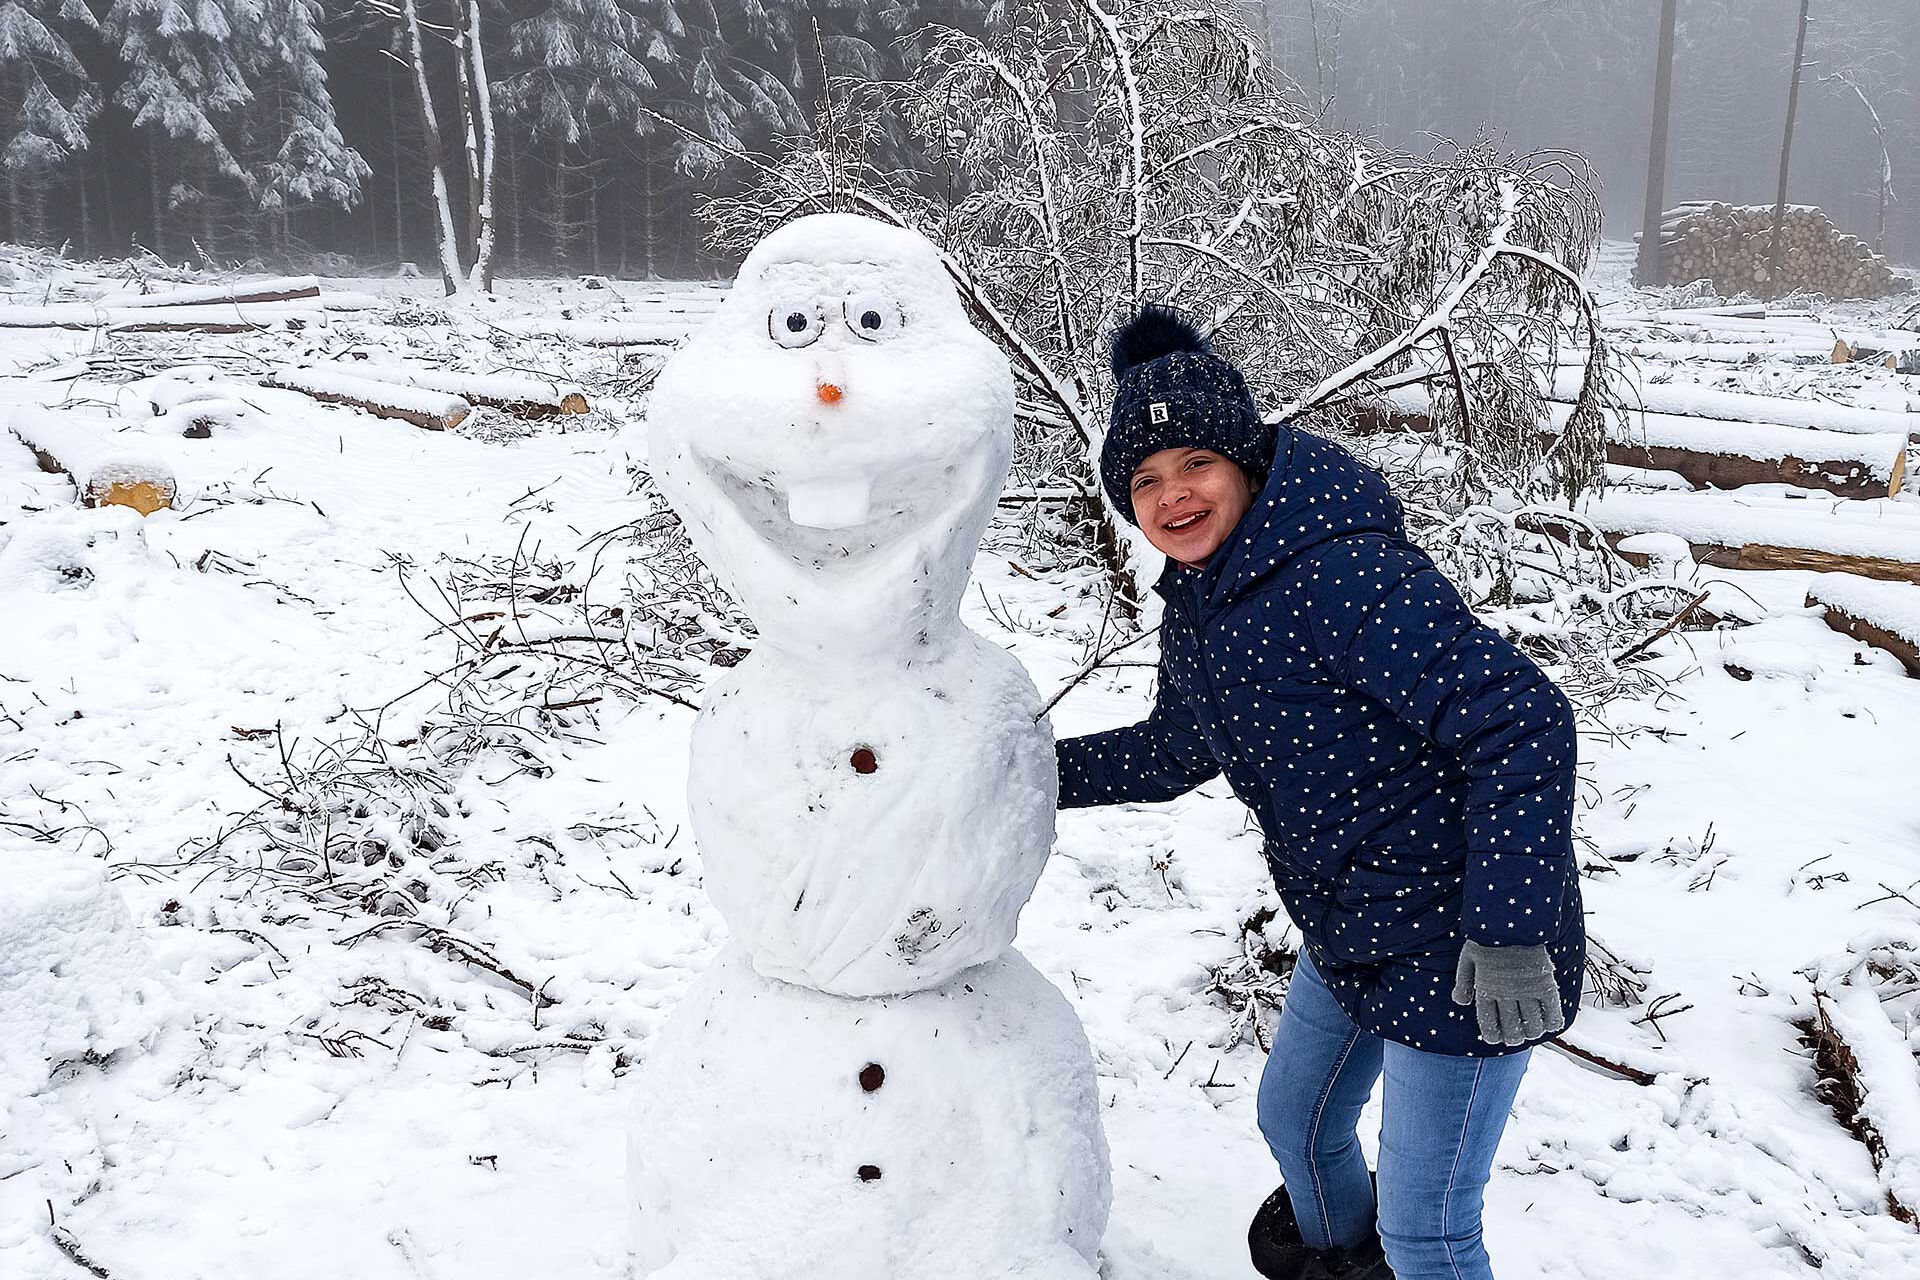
<point x="306" y="161"/>
<point x="240" y="87"/>
<point x="45" y="98"/>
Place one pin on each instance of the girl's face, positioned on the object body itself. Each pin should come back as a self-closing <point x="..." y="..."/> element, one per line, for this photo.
<point x="1188" y="501"/>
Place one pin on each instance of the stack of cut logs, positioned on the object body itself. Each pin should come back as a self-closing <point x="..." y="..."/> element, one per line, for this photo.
<point x="1731" y="245"/>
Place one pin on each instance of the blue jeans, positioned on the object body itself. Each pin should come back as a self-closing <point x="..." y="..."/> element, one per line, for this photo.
<point x="1439" y="1125"/>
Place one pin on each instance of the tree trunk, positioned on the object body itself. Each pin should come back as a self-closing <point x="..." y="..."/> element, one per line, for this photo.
<point x="519" y="210"/>
<point x="157" y="200"/>
<point x="561" y="227"/>
<point x="451" y="277"/>
<point x="648" y="212"/>
<point x="1786" y="153"/>
<point x="469" y="128"/>
<point x="106" y="206"/>
<point x="593" y="203"/>
<point x="483" y="160"/>
<point x="399" y="200"/>
<point x="1650" y="271"/>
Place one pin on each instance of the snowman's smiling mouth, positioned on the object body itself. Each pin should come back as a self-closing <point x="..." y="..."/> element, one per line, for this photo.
<point x="828" y="521"/>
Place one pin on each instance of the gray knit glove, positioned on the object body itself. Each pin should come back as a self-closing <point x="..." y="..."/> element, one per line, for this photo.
<point x="1512" y="989"/>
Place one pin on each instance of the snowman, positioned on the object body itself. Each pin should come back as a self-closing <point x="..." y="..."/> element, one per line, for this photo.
<point x="869" y="1083"/>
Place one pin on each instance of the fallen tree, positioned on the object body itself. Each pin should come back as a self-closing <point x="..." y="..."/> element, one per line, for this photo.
<point x="1868" y="1077"/>
<point x="1738" y="406"/>
<point x="1884" y="615"/>
<point x="183" y="319"/>
<point x="1707" y="452"/>
<point x="434" y="410"/>
<point x="524" y="397"/>
<point x="1762" y="535"/>
<point x="276" y="289"/>
<point x="103" y="471"/>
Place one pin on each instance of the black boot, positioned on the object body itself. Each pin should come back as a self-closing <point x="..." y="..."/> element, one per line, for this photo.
<point x="1280" y="1254"/>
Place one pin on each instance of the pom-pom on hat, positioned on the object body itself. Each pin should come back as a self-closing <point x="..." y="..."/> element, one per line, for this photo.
<point x="1172" y="392"/>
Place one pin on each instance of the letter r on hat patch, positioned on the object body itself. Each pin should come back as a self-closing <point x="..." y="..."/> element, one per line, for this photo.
<point x="1157" y="412"/>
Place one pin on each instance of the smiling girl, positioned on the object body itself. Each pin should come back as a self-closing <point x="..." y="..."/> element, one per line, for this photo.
<point x="1412" y="773"/>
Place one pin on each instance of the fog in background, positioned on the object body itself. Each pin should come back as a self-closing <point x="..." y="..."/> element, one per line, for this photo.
<point x="1580" y="74"/>
<point x="289" y="132"/>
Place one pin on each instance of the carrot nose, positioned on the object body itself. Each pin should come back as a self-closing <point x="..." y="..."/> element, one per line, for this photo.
<point x="830" y="393"/>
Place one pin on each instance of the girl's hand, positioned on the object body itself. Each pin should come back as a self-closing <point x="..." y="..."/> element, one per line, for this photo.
<point x="1512" y="989"/>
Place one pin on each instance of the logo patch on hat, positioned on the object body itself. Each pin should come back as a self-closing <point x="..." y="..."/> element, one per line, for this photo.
<point x="1157" y="412"/>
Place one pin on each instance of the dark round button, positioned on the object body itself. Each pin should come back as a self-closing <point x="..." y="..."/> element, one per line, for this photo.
<point x="864" y="761"/>
<point x="872" y="1076"/>
<point x="869" y="1173"/>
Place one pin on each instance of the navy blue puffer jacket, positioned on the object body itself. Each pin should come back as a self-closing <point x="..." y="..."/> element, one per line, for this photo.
<point x="1411" y="770"/>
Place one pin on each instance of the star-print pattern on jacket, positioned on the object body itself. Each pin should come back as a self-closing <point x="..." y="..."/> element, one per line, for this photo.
<point x="1411" y="770"/>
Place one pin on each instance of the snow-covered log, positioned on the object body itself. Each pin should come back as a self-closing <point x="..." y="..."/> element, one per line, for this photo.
<point x="1729" y="533"/>
<point x="603" y="333"/>
<point x="103" y="472"/>
<point x="434" y="410"/>
<point x="1870" y="1079"/>
<point x="276" y="289"/>
<point x="1730" y="352"/>
<point x="522" y="396"/>
<point x="1738" y="406"/>
<point x="184" y="319"/>
<point x="1717" y="454"/>
<point x="192" y="406"/>
<point x="1885" y="615"/>
<point x="1708" y="452"/>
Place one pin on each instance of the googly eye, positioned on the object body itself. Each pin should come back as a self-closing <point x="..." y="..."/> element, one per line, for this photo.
<point x="873" y="316"/>
<point x="795" y="326"/>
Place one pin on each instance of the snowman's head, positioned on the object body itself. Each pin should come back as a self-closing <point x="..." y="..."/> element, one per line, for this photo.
<point x="836" y="436"/>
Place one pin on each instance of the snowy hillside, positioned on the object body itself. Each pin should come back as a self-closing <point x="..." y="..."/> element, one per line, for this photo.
<point x="381" y="735"/>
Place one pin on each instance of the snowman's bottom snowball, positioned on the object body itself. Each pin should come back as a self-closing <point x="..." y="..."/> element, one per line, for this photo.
<point x="780" y="1133"/>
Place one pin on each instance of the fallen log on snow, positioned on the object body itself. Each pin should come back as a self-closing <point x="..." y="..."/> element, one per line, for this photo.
<point x="1885" y="615"/>
<point x="1867" y="1076"/>
<point x="104" y="473"/>
<point x="277" y="289"/>
<point x="1728" y="455"/>
<point x="1738" y="406"/>
<point x="434" y="410"/>
<point x="199" y="319"/>
<point x="1726" y="533"/>
<point x="1810" y="351"/>
<point x="521" y="396"/>
<point x="1709" y="453"/>
<point x="604" y="333"/>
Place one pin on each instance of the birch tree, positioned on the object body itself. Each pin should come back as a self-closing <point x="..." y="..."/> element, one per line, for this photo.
<point x="1110" y="153"/>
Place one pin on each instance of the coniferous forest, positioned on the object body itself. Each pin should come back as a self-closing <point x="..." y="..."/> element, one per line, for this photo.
<point x="281" y="131"/>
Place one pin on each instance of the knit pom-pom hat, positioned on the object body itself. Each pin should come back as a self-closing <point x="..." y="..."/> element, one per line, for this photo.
<point x="1172" y="392"/>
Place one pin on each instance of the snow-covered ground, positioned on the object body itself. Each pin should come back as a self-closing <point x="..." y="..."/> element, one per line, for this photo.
<point x="439" y="1092"/>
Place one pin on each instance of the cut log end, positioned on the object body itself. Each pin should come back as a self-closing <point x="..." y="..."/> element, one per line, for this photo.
<point x="145" y="496"/>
